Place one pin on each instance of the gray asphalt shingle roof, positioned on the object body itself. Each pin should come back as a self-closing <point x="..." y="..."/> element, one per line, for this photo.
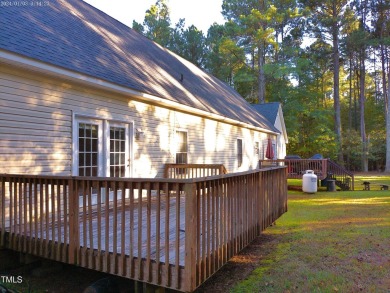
<point x="268" y="110"/>
<point x="78" y="37"/>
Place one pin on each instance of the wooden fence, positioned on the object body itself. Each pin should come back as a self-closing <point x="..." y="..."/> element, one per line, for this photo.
<point x="167" y="232"/>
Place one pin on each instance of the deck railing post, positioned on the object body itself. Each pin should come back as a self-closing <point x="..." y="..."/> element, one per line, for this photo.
<point x="2" y="210"/>
<point x="191" y="240"/>
<point x="73" y="222"/>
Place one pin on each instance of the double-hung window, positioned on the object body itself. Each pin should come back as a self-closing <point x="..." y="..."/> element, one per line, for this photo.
<point x="257" y="150"/>
<point x="181" y="147"/>
<point x="239" y="152"/>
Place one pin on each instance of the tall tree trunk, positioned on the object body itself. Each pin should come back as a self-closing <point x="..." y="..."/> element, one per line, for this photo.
<point x="388" y="120"/>
<point x="261" y="74"/>
<point x="336" y="88"/>
<point x="350" y="114"/>
<point x="261" y="57"/>
<point x="383" y="60"/>
<point x="350" y="95"/>
<point x="362" y="102"/>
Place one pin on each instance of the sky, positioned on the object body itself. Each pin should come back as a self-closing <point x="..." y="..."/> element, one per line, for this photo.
<point x="201" y="13"/>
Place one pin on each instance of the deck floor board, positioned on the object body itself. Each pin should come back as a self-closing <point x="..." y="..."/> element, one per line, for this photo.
<point x="130" y="233"/>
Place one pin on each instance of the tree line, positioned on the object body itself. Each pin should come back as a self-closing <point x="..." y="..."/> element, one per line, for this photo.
<point x="326" y="61"/>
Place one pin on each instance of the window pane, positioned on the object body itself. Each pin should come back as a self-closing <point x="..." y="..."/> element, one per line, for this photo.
<point x="117" y="151"/>
<point x="94" y="159"/>
<point x="181" y="158"/>
<point x="94" y="145"/>
<point x="88" y="132"/>
<point x="88" y="159"/>
<point x="112" y="146"/>
<point x="94" y="131"/>
<point x="81" y="144"/>
<point x="112" y="173"/>
<point x="81" y="159"/>
<point x="88" y="144"/>
<point x="81" y="130"/>
<point x="88" y="149"/>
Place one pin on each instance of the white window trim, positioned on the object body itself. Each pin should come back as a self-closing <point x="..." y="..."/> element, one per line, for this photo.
<point x="103" y="147"/>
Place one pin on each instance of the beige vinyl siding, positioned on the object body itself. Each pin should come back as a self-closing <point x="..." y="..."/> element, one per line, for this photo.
<point x="212" y="141"/>
<point x="34" y="138"/>
<point x="36" y="127"/>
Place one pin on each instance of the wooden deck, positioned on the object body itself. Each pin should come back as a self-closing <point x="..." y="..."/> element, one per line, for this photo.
<point x="168" y="232"/>
<point x="93" y="228"/>
<point x="324" y="169"/>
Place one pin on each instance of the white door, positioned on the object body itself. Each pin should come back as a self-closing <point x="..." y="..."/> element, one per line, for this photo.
<point x="101" y="148"/>
<point x="117" y="150"/>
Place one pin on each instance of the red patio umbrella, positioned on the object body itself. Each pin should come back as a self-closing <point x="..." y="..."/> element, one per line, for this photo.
<point x="269" y="154"/>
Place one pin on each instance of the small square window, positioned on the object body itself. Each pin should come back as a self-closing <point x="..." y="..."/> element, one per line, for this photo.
<point x="239" y="152"/>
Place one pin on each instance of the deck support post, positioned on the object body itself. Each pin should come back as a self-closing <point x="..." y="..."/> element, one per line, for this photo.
<point x="191" y="228"/>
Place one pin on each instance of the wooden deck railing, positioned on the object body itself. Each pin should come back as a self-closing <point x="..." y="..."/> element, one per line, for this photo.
<point x="344" y="178"/>
<point x="323" y="168"/>
<point x="171" y="233"/>
<point x="185" y="171"/>
<point x="296" y="168"/>
<point x="230" y="212"/>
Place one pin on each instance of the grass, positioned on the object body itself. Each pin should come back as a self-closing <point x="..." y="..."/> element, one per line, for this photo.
<point x="328" y="242"/>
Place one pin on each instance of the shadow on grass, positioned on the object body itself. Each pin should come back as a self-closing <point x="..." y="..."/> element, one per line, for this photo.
<point x="326" y="242"/>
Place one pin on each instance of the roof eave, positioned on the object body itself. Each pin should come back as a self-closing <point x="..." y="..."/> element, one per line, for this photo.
<point x="45" y="68"/>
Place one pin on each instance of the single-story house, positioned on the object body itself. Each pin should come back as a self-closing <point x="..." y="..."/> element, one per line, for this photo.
<point x="84" y="95"/>
<point x="274" y="114"/>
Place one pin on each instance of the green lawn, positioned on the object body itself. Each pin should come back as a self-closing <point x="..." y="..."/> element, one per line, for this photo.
<point x="328" y="242"/>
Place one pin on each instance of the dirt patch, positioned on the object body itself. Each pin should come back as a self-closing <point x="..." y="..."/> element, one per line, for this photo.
<point x="294" y="187"/>
<point x="240" y="266"/>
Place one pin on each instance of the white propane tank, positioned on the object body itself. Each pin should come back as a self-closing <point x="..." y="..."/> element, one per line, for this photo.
<point x="309" y="182"/>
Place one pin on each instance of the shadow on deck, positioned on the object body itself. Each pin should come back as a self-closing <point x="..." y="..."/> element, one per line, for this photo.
<point x="173" y="233"/>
